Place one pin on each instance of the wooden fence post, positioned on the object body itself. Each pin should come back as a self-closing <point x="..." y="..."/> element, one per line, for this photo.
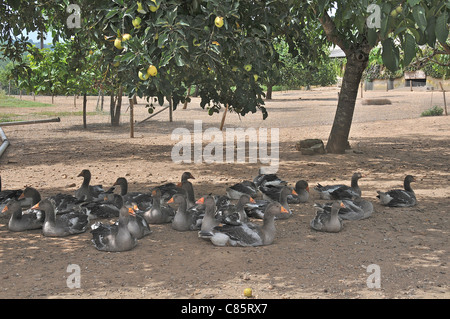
<point x="445" y="102"/>
<point x="131" y="101"/>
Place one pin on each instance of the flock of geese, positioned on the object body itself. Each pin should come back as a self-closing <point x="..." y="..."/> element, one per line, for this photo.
<point x="222" y="219"/>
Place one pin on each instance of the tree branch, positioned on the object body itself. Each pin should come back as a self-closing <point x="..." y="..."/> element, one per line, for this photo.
<point x="331" y="31"/>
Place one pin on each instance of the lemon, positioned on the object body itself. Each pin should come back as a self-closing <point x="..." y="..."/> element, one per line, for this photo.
<point x="248" y="292"/>
<point x="136" y="22"/>
<point x="126" y="37"/>
<point x="153" y="8"/>
<point x="118" y="44"/>
<point x="143" y="76"/>
<point x="152" y="71"/>
<point x="218" y="22"/>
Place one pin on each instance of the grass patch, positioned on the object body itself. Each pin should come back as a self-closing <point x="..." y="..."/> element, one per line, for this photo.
<point x="9" y="117"/>
<point x="434" y="111"/>
<point x="12" y="102"/>
<point x="66" y="113"/>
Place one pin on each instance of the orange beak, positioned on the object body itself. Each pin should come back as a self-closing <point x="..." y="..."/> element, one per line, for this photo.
<point x="200" y="201"/>
<point x="154" y="193"/>
<point x="171" y="201"/>
<point x="35" y="206"/>
<point x="294" y="192"/>
<point x="342" y="205"/>
<point x="284" y="210"/>
<point x="22" y="196"/>
<point x="5" y="209"/>
<point x="252" y="200"/>
<point x="131" y="212"/>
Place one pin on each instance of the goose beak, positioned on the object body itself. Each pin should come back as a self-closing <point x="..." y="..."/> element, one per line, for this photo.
<point x="131" y="212"/>
<point x="307" y="189"/>
<point x="252" y="200"/>
<point x="35" y="206"/>
<point x="5" y="209"/>
<point x="135" y="207"/>
<point x="294" y="192"/>
<point x="171" y="201"/>
<point x="200" y="201"/>
<point x="21" y="196"/>
<point x="190" y="176"/>
<point x="154" y="193"/>
<point x="342" y="205"/>
<point x="284" y="210"/>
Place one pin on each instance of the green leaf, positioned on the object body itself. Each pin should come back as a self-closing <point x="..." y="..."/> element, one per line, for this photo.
<point x="430" y="32"/>
<point x="372" y="36"/>
<point x="441" y="29"/>
<point x="420" y="17"/>
<point x="162" y="39"/>
<point x="179" y="60"/>
<point x="409" y="48"/>
<point x="111" y="13"/>
<point x="390" y="55"/>
<point x="412" y="3"/>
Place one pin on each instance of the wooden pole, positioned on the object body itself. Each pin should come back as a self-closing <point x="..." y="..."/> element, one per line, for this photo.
<point x="84" y="110"/>
<point x="5" y="142"/>
<point x="223" y="117"/>
<point x="148" y="118"/>
<point x="445" y="102"/>
<point x="31" y="122"/>
<point x="170" y="109"/>
<point x="131" y="117"/>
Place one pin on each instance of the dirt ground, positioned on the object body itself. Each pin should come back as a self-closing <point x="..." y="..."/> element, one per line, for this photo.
<point x="410" y="245"/>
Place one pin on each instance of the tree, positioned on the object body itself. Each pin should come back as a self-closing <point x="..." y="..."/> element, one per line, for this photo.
<point x="406" y="25"/>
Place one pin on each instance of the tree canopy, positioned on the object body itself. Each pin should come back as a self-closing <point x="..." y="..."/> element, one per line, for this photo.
<point x="157" y="48"/>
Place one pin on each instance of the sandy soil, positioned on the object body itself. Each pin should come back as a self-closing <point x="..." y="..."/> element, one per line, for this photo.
<point x="410" y="245"/>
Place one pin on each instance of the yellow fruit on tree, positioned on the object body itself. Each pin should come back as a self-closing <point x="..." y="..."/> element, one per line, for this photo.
<point x="143" y="76"/>
<point x="118" y="44"/>
<point x="136" y="22"/>
<point x="152" y="71"/>
<point x="152" y="7"/>
<point x="126" y="37"/>
<point x="218" y="22"/>
<point x="140" y="9"/>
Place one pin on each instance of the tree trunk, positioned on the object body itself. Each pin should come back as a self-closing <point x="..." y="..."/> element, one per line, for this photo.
<point x="84" y="110"/>
<point x="269" y="92"/>
<point x="338" y="140"/>
<point x="115" y="107"/>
